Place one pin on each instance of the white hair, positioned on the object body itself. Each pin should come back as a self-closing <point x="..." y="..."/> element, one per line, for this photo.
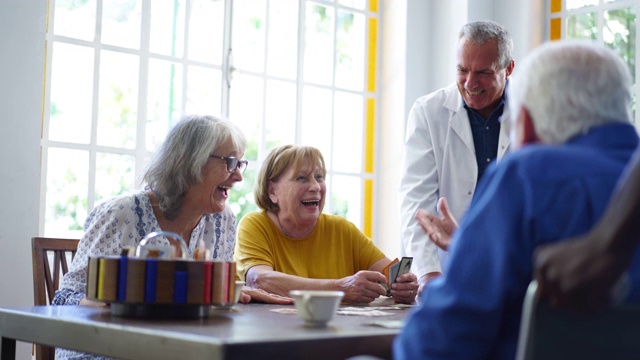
<point x="569" y="87"/>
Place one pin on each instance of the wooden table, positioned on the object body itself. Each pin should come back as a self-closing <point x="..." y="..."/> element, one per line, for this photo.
<point x="250" y="331"/>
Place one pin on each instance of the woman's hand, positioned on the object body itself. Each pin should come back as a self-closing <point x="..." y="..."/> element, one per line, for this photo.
<point x="86" y="302"/>
<point x="362" y="287"/>
<point x="405" y="288"/>
<point x="258" y="295"/>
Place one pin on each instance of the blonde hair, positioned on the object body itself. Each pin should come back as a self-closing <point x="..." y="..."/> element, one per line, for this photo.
<point x="277" y="163"/>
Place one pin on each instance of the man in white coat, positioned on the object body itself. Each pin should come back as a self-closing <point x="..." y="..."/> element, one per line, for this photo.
<point x="452" y="135"/>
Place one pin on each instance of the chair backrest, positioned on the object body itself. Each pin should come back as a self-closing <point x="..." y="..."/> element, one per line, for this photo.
<point x="47" y="274"/>
<point x="548" y="333"/>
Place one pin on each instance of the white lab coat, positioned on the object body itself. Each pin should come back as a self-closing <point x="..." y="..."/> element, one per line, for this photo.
<point x="439" y="160"/>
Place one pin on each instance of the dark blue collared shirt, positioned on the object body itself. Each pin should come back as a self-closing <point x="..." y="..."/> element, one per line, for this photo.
<point x="486" y="133"/>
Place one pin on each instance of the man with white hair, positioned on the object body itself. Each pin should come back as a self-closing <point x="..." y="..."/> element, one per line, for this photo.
<point x="570" y="105"/>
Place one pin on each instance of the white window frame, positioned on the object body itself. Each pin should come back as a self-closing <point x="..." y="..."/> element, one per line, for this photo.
<point x="140" y="153"/>
<point x="599" y="9"/>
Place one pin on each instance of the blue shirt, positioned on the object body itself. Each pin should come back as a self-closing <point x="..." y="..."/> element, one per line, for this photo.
<point x="486" y="133"/>
<point x="537" y="195"/>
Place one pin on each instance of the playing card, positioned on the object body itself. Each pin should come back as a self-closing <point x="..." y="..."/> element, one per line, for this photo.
<point x="393" y="273"/>
<point x="385" y="271"/>
<point x="404" y="267"/>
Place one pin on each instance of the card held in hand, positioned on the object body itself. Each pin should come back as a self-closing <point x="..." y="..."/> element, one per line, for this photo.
<point x="398" y="268"/>
<point x="393" y="273"/>
<point x="385" y="271"/>
<point x="404" y="267"/>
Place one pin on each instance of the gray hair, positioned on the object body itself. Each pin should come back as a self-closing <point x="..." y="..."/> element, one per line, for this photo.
<point x="570" y="87"/>
<point x="481" y="32"/>
<point x="177" y="164"/>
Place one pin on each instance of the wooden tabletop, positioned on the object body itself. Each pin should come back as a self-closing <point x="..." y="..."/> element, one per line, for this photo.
<point x="246" y="331"/>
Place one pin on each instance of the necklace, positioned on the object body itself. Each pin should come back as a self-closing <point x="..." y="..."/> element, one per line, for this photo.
<point x="282" y="227"/>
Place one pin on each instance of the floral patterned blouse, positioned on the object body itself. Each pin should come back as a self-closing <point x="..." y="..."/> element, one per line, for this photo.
<point x="126" y="220"/>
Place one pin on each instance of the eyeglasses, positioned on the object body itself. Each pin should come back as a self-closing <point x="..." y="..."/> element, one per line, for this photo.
<point x="233" y="163"/>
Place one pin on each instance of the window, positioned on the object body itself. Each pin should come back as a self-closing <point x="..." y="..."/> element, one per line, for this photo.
<point x="609" y="22"/>
<point x="286" y="71"/>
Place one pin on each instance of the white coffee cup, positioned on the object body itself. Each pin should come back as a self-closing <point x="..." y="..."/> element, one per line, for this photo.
<point x="316" y="307"/>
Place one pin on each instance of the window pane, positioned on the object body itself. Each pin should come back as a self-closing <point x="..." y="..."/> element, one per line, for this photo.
<point x="121" y="23"/>
<point x="206" y="26"/>
<point x="318" y="44"/>
<point x="118" y="103"/>
<point x="348" y="133"/>
<point x="576" y="4"/>
<point x="280" y="113"/>
<point x="114" y="175"/>
<point x="356" y="4"/>
<point x="316" y="120"/>
<point x="282" y="59"/>
<point x="582" y="26"/>
<point x="619" y="33"/>
<point x="267" y="98"/>
<point x="71" y="93"/>
<point x="76" y="19"/>
<point x="241" y="197"/>
<point x="167" y="27"/>
<point x="346" y="199"/>
<point x="66" y="199"/>
<point x="350" y="47"/>
<point x="163" y="101"/>
<point x="203" y="92"/>
<point x="246" y="107"/>
<point x="248" y="35"/>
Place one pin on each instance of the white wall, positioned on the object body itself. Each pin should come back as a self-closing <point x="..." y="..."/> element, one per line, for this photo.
<point x="22" y="28"/>
<point x="418" y="44"/>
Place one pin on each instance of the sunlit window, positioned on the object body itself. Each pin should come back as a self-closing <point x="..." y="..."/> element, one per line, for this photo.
<point x="286" y="71"/>
<point x="609" y="22"/>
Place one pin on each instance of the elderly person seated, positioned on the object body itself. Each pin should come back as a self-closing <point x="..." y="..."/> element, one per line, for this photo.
<point x="290" y="244"/>
<point x="570" y="112"/>
<point x="187" y="185"/>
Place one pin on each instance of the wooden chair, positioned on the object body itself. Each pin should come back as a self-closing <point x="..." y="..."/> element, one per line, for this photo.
<point x="548" y="333"/>
<point x="47" y="275"/>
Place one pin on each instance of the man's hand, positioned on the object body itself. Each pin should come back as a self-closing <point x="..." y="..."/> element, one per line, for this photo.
<point x="441" y="228"/>
<point x="578" y="274"/>
<point x="424" y="280"/>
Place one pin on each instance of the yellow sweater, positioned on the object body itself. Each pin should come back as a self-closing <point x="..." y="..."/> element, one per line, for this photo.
<point x="336" y="248"/>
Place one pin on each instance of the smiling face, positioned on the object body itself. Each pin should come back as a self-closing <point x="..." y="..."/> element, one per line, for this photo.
<point x="480" y="79"/>
<point x="212" y="193"/>
<point x="299" y="196"/>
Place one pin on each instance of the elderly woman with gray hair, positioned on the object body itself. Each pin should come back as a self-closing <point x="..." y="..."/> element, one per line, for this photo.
<point x="188" y="180"/>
